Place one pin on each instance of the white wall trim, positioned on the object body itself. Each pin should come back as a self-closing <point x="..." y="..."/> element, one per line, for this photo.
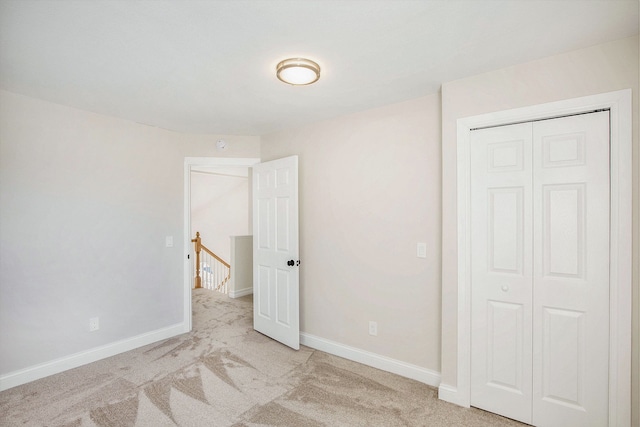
<point x="241" y="162"/>
<point x="450" y="394"/>
<point x="240" y="292"/>
<point x="384" y="363"/>
<point x="620" y="254"/>
<point x="189" y="163"/>
<point x="32" y="373"/>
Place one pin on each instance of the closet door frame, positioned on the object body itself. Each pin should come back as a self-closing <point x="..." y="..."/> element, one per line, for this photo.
<point x="620" y="251"/>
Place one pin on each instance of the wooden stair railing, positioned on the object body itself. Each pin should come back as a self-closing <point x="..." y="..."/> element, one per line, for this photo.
<point x="211" y="270"/>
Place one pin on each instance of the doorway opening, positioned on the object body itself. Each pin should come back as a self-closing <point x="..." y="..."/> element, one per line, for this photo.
<point x="222" y="169"/>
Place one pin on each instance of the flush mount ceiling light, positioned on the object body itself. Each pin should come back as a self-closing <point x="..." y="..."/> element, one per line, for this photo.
<point x="298" y="71"/>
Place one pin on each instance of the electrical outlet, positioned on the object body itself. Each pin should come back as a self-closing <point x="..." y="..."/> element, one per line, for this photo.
<point x="373" y="328"/>
<point x="94" y="324"/>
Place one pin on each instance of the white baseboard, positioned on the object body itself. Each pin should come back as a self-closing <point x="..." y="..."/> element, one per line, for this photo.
<point x="240" y="292"/>
<point x="384" y="363"/>
<point x="32" y="373"/>
<point x="450" y="394"/>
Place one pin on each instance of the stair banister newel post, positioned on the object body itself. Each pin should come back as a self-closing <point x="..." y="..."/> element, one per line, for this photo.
<point x="215" y="271"/>
<point x="198" y="245"/>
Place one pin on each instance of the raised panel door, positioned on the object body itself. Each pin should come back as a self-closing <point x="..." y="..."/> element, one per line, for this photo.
<point x="540" y="270"/>
<point x="571" y="271"/>
<point x="275" y="225"/>
<point x="501" y="244"/>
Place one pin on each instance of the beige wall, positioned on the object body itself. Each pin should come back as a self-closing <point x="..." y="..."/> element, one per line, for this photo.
<point x="86" y="202"/>
<point x="369" y="191"/>
<point x="219" y="209"/>
<point x="241" y="282"/>
<point x="603" y="68"/>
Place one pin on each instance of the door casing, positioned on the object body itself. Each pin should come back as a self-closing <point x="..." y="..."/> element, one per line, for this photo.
<point x="620" y="251"/>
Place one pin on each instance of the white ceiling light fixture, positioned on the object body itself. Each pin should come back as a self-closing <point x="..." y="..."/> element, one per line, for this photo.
<point x="298" y="71"/>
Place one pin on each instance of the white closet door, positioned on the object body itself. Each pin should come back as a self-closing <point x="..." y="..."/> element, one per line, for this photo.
<point x="540" y="270"/>
<point x="571" y="271"/>
<point x="501" y="243"/>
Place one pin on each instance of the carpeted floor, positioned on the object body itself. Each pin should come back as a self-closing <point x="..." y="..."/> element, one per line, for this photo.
<point x="225" y="374"/>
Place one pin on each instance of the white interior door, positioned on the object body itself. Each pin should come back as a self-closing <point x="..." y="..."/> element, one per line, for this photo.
<point x="275" y="250"/>
<point x="571" y="271"/>
<point x="540" y="270"/>
<point x="501" y="247"/>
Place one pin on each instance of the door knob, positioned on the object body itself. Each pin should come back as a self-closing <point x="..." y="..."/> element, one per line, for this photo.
<point x="291" y="263"/>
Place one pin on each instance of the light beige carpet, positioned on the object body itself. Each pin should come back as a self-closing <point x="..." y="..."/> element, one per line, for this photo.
<point x="225" y="374"/>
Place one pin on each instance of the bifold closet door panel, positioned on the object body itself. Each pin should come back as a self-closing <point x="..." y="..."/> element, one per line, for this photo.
<point x="501" y="244"/>
<point x="540" y="270"/>
<point x="571" y="270"/>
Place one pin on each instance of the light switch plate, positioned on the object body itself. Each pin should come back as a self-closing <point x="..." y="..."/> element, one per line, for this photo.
<point x="422" y="250"/>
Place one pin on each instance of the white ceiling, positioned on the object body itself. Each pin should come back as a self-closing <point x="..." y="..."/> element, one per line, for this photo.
<point x="209" y="66"/>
